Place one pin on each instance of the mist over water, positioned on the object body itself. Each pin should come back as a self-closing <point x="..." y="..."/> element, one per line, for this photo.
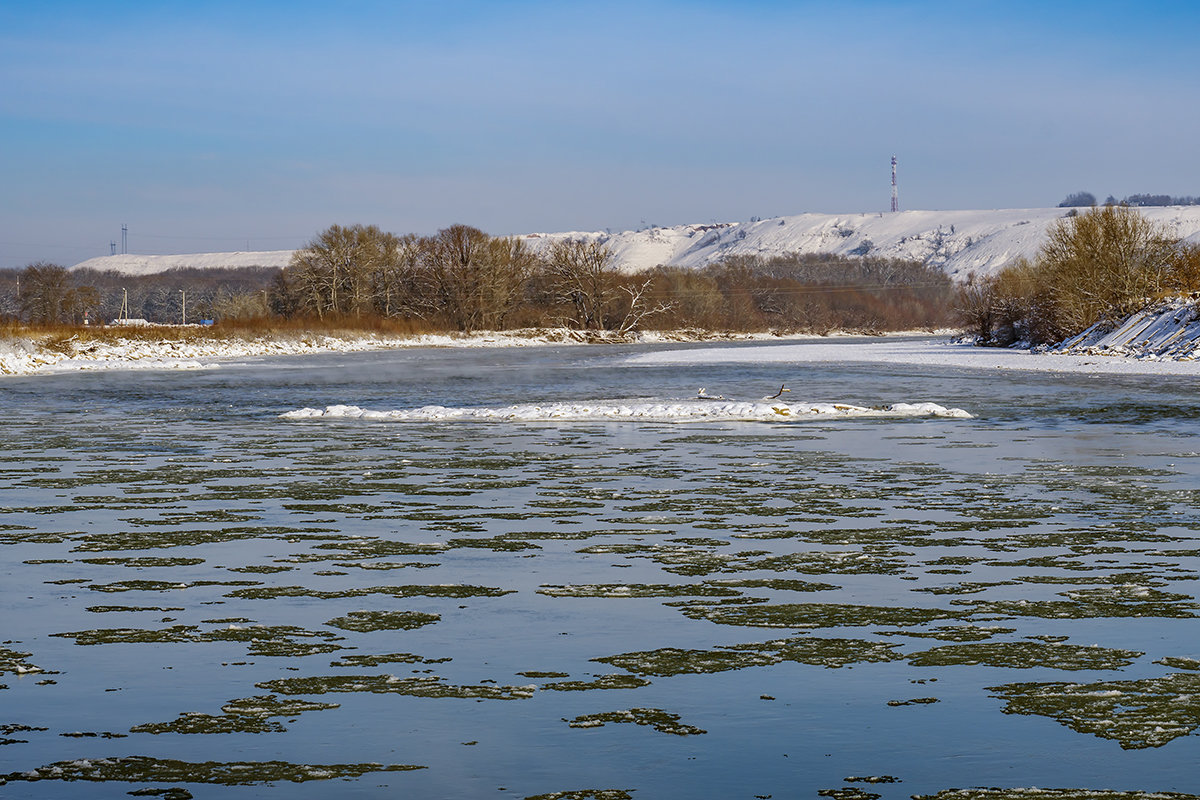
<point x="200" y="594"/>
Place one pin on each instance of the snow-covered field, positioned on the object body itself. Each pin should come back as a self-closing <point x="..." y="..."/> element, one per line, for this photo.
<point x="958" y="242"/>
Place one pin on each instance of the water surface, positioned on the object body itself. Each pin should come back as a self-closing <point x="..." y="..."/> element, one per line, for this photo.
<point x="204" y="598"/>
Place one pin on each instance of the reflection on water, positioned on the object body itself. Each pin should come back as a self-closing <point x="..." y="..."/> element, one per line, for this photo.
<point x="203" y="599"/>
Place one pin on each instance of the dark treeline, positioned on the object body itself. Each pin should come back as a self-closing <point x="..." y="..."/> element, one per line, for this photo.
<point x="1084" y="199"/>
<point x="809" y="293"/>
<point x="50" y="294"/>
<point x="1155" y="200"/>
<point x="464" y="279"/>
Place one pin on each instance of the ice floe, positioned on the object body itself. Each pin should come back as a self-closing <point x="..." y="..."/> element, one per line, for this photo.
<point x="650" y="410"/>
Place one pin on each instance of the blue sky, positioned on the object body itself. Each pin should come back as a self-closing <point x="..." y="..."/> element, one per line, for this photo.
<point x="216" y="126"/>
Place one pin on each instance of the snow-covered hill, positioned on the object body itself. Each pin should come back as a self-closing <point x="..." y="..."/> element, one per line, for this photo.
<point x="149" y="265"/>
<point x="958" y="242"/>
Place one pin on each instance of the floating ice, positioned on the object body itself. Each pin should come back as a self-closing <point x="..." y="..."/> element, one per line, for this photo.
<point x="654" y="411"/>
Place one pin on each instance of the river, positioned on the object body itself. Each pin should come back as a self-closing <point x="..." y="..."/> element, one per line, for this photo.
<point x="204" y="597"/>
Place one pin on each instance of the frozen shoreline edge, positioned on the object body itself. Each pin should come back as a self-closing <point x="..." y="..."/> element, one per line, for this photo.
<point x="23" y="356"/>
<point x="1127" y="349"/>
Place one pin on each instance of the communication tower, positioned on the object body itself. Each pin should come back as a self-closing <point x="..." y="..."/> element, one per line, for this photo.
<point x="895" y="193"/>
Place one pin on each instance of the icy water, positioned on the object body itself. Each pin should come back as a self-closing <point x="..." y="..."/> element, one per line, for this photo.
<point x="201" y="598"/>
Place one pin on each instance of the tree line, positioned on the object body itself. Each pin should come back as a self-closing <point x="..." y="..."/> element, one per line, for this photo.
<point x="50" y="294"/>
<point x="1101" y="265"/>
<point x="1085" y="199"/>
<point x="464" y="279"/>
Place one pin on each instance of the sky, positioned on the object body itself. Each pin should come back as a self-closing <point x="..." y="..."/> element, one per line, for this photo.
<point x="222" y="126"/>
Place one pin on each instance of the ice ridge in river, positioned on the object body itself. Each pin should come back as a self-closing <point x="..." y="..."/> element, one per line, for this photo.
<point x="658" y="411"/>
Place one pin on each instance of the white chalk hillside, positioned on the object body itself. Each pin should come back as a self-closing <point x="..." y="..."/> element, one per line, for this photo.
<point x="130" y="264"/>
<point x="958" y="242"/>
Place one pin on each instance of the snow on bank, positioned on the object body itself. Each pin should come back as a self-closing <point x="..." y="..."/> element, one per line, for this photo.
<point x="1168" y="330"/>
<point x="919" y="353"/>
<point x="649" y="411"/>
<point x="957" y="242"/>
<point x="1163" y="339"/>
<point x="26" y="357"/>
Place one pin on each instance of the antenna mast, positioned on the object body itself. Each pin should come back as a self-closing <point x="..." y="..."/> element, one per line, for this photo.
<point x="895" y="194"/>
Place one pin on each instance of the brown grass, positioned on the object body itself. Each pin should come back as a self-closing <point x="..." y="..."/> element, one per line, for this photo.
<point x="57" y="336"/>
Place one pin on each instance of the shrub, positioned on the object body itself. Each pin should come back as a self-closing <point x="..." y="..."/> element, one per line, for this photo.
<point x="1102" y="264"/>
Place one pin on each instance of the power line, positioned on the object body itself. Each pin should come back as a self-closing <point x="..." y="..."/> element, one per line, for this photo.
<point x="223" y="238"/>
<point x="56" y="246"/>
<point x="866" y="287"/>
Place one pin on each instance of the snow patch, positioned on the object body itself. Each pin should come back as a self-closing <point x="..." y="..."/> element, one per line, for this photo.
<point x="651" y="411"/>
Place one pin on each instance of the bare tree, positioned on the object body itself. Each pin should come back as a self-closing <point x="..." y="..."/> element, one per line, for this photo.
<point x="334" y="273"/>
<point x="49" y="294"/>
<point x="398" y="287"/>
<point x="583" y="274"/>
<point x="476" y="280"/>
<point x="639" y="307"/>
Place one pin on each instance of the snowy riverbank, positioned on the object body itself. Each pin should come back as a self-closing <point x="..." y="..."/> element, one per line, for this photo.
<point x="1162" y="339"/>
<point x="43" y="355"/>
<point x="936" y="353"/>
<point x="32" y="356"/>
<point x="1165" y="331"/>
